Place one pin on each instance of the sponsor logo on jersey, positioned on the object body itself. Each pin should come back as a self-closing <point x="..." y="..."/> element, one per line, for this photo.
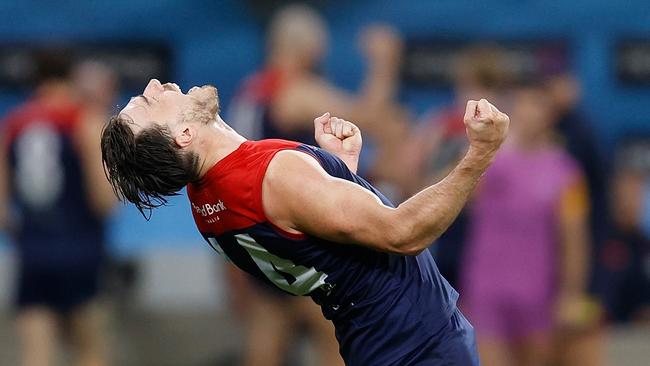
<point x="207" y="210"/>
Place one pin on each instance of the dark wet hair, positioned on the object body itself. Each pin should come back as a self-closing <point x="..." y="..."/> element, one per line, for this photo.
<point x="145" y="168"/>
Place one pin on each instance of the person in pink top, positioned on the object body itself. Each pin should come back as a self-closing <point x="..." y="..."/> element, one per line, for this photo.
<point x="524" y="266"/>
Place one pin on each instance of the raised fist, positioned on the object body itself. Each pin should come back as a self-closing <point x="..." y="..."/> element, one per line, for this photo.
<point x="382" y="45"/>
<point x="486" y="126"/>
<point x="337" y="136"/>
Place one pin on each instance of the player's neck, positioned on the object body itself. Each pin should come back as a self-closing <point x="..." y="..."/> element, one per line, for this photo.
<point x="218" y="141"/>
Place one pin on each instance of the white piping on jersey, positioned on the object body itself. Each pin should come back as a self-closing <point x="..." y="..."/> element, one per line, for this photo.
<point x="215" y="245"/>
<point x="306" y="279"/>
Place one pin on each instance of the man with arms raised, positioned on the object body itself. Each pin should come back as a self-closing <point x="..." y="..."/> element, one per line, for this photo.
<point x="299" y="217"/>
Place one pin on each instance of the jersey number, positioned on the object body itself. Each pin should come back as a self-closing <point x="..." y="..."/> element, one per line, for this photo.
<point x="39" y="169"/>
<point x="285" y="274"/>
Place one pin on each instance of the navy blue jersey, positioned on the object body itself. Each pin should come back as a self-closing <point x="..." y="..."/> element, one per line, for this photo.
<point x="386" y="308"/>
<point x="57" y="228"/>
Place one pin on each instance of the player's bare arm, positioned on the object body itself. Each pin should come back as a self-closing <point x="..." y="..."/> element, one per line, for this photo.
<point x="299" y="196"/>
<point x="339" y="137"/>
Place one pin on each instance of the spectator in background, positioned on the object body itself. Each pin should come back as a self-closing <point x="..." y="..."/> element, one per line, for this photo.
<point x="580" y="141"/>
<point x="525" y="262"/>
<point x="584" y="345"/>
<point x="439" y="141"/>
<point x="626" y="256"/>
<point x="281" y="101"/>
<point x="52" y="174"/>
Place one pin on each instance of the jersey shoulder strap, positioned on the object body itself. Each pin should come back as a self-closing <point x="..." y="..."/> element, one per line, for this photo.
<point x="229" y="197"/>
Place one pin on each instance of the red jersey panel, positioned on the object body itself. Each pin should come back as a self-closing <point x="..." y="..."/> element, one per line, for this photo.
<point x="229" y="197"/>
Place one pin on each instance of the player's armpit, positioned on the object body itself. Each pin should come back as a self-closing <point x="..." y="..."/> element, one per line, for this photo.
<point x="300" y="197"/>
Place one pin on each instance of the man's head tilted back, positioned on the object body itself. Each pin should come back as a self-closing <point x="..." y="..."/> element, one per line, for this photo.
<point x="147" y="148"/>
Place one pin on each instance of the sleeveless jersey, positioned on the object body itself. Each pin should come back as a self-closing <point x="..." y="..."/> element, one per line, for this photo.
<point x="57" y="228"/>
<point x="385" y="307"/>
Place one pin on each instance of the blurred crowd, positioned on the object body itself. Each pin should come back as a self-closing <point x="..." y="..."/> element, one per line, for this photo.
<point x="552" y="249"/>
<point x="54" y="200"/>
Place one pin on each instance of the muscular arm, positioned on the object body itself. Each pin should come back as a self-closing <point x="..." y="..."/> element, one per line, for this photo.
<point x="299" y="196"/>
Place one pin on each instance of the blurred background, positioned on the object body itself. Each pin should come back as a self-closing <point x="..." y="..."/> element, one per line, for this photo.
<point x="551" y="256"/>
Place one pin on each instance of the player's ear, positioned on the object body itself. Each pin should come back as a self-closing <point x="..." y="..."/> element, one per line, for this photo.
<point x="184" y="135"/>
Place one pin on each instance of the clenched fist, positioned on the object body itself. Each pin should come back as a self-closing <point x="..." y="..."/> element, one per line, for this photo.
<point x="339" y="137"/>
<point x="486" y="126"/>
